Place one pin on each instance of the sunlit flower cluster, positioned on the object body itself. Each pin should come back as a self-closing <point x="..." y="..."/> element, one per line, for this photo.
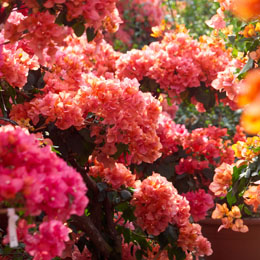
<point x="15" y="63"/>
<point x="248" y="149"/>
<point x="179" y="62"/>
<point x="115" y="174"/>
<point x="157" y="203"/>
<point x="44" y="44"/>
<point x="131" y="114"/>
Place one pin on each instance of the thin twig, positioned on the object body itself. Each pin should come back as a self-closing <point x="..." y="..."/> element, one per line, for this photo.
<point x="8" y="120"/>
<point x="21" y="93"/>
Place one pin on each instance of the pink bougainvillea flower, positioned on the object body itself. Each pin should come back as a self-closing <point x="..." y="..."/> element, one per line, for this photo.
<point x="200" y="202"/>
<point x="49" y="242"/>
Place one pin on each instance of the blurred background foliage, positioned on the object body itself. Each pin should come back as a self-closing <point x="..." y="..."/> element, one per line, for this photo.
<point x="193" y="14"/>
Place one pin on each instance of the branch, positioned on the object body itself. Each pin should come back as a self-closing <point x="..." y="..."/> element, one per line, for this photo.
<point x="85" y="224"/>
<point x="87" y="179"/>
<point x="112" y="228"/>
<point x="8" y="120"/>
<point x="21" y="93"/>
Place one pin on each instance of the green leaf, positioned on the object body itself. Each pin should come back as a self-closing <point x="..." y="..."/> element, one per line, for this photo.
<point x="53" y="149"/>
<point x="231" y="199"/>
<point x="232" y="38"/>
<point x="172" y="234"/>
<point x="87" y="213"/>
<point x="91" y="34"/>
<point x="169" y="102"/>
<point x="179" y="253"/>
<point x="249" y="65"/>
<point x="121" y="148"/>
<point x="236" y="173"/>
<point x="61" y="19"/>
<point x="138" y="254"/>
<point x="127" y="235"/>
<point x="78" y="28"/>
<point x="247" y="211"/>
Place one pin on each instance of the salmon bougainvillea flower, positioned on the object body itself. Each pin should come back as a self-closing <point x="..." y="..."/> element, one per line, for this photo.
<point x="222" y="179"/>
<point x="252" y="196"/>
<point x="157" y="204"/>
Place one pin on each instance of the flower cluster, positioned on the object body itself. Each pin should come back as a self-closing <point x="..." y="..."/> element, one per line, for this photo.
<point x="205" y="147"/>
<point x="16" y="63"/>
<point x="200" y="202"/>
<point x="230" y="218"/>
<point x="179" y="62"/>
<point x="37" y="179"/>
<point x="91" y="91"/>
<point x="115" y="174"/>
<point x="248" y="149"/>
<point x="157" y="203"/>
<point x="222" y="179"/>
<point x="131" y="114"/>
<point x="209" y="143"/>
<point x="49" y="242"/>
<point x="94" y="12"/>
<point x="171" y="135"/>
<point x="43" y="37"/>
<point x="191" y="240"/>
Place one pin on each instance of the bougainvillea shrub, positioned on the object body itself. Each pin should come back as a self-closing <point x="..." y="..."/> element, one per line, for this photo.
<point x="97" y="157"/>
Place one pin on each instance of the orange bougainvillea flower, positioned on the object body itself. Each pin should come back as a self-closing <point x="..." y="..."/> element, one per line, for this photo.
<point x="246" y="150"/>
<point x="250" y="97"/>
<point x="158" y="31"/>
<point x="249" y="31"/>
<point x="250" y="119"/>
<point x="220" y="211"/>
<point x="250" y="88"/>
<point x="246" y="9"/>
<point x="252" y="197"/>
<point x="239" y="226"/>
<point x="226" y="223"/>
<point x="228" y="216"/>
<point x="234" y="212"/>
